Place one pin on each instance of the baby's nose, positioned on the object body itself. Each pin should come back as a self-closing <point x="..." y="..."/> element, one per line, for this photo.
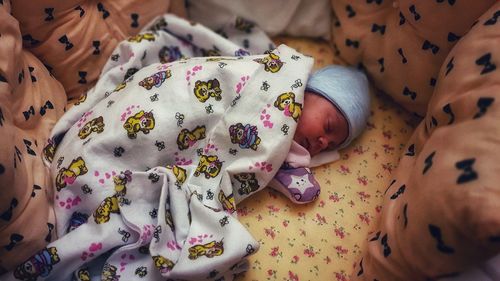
<point x="323" y="142"/>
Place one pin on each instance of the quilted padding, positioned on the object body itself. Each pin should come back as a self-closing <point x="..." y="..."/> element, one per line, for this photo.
<point x="31" y="100"/>
<point x="402" y="44"/>
<point x="75" y="38"/>
<point x="49" y="52"/>
<point x="440" y="213"/>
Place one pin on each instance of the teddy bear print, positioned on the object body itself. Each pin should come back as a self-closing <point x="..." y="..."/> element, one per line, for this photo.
<point x="169" y="54"/>
<point x="209" y="165"/>
<point x="107" y="207"/>
<point x="169" y="220"/>
<point x="140" y="122"/>
<point x="286" y="103"/>
<point x="248" y="183"/>
<point x="156" y="79"/>
<point x="214" y="52"/>
<point x="163" y="264"/>
<point x="120" y="86"/>
<point x="206" y="89"/>
<point x="39" y="265"/>
<point x="187" y="139"/>
<point x="209" y="250"/>
<point x="271" y="62"/>
<point x="68" y="175"/>
<point x="110" y="204"/>
<point x="109" y="272"/>
<point x="83" y="274"/>
<point x="94" y="125"/>
<point x="81" y="99"/>
<point x="227" y="202"/>
<point x="49" y="150"/>
<point x="180" y="175"/>
<point x="244" y="25"/>
<point x="246" y="136"/>
<point x="139" y="37"/>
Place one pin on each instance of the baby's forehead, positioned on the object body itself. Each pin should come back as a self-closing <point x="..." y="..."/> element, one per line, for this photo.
<point x="324" y="100"/>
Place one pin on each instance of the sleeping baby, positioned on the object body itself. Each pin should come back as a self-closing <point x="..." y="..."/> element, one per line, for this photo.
<point x="335" y="110"/>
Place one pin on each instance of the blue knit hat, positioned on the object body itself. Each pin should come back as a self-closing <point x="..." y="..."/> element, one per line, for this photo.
<point x="347" y="89"/>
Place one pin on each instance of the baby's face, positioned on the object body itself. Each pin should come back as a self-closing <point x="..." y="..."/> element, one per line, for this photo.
<point x="321" y="125"/>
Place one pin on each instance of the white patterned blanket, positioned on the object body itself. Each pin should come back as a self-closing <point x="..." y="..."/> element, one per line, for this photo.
<point x="149" y="166"/>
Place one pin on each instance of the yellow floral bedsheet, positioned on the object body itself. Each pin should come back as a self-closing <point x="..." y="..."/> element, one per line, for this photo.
<point x="324" y="239"/>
